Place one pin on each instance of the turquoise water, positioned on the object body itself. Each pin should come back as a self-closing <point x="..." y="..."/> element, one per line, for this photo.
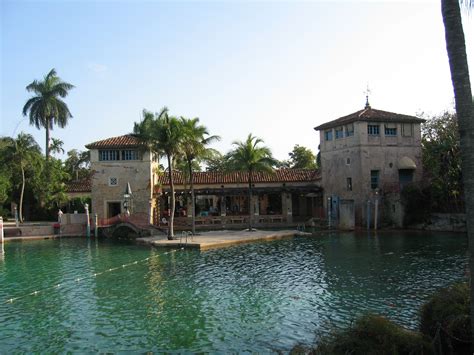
<point x="256" y="297"/>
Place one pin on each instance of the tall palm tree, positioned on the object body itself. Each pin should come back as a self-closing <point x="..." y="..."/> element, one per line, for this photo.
<point x="46" y="108"/>
<point x="249" y="157"/>
<point x="194" y="148"/>
<point x="456" y="48"/>
<point x="23" y="152"/>
<point x="162" y="134"/>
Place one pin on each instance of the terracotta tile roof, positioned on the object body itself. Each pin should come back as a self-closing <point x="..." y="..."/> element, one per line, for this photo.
<point x="371" y="115"/>
<point x="234" y="177"/>
<point x="83" y="185"/>
<point x="125" y="141"/>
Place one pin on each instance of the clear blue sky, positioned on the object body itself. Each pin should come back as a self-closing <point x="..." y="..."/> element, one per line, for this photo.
<point x="276" y="69"/>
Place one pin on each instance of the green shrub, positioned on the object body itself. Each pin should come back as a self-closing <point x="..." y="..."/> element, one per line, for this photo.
<point x="373" y="334"/>
<point x="446" y="319"/>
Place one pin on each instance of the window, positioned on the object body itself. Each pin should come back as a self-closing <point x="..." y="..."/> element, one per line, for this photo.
<point x="348" y="161"/>
<point x="129" y="154"/>
<point x="374" y="179"/>
<point x="113" y="181"/>
<point x="328" y="135"/>
<point x="407" y="130"/>
<point x="349" y="130"/>
<point x="339" y="132"/>
<point x="108" y="155"/>
<point x="391" y="130"/>
<point x="349" y="184"/>
<point x="373" y="130"/>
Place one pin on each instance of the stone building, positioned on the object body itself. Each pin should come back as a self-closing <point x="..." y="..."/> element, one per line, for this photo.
<point x="366" y="156"/>
<point x="116" y="163"/>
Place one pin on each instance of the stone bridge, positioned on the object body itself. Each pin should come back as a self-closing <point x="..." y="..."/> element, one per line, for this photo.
<point x="125" y="226"/>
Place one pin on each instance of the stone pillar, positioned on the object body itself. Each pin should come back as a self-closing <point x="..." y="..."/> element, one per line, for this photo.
<point x="287" y="206"/>
<point x="223" y="206"/>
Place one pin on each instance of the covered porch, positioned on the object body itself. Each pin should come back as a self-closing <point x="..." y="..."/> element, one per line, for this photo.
<point x="274" y="203"/>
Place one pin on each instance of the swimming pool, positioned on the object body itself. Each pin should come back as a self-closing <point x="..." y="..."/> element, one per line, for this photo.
<point x="261" y="297"/>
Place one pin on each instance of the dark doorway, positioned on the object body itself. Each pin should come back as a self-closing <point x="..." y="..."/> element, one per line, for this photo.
<point x="114" y="208"/>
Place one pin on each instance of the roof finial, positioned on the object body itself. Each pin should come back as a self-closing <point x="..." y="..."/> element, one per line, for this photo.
<point x="367" y="92"/>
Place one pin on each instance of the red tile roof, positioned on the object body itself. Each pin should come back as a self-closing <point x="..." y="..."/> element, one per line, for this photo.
<point x="125" y="141"/>
<point x="234" y="177"/>
<point x="371" y="115"/>
<point x="83" y="185"/>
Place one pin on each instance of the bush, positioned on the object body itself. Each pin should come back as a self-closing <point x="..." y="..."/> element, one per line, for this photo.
<point x="372" y="334"/>
<point x="446" y="319"/>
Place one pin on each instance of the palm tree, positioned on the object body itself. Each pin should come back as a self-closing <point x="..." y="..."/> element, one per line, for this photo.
<point x="162" y="134"/>
<point x="56" y="146"/>
<point x="194" y="148"/>
<point x="456" y="48"/>
<point x="249" y="157"/>
<point x="46" y="108"/>
<point x="23" y="152"/>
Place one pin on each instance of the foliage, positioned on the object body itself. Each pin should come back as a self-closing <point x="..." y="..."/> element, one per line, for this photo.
<point x="302" y="158"/>
<point x="442" y="161"/>
<point x="446" y="319"/>
<point x="162" y="134"/>
<point x="46" y="108"/>
<point x="417" y="203"/>
<point x="219" y="163"/>
<point x="250" y="157"/>
<point x="77" y="164"/>
<point x="24" y="156"/>
<point x="56" y="146"/>
<point x="29" y="180"/>
<point x="195" y="139"/>
<point x="77" y="204"/>
<point x="372" y="334"/>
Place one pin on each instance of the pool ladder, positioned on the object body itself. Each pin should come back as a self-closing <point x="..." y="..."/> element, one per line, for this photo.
<point x="301" y="227"/>
<point x="184" y="235"/>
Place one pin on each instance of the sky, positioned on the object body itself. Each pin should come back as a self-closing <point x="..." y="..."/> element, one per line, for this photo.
<point x="275" y="69"/>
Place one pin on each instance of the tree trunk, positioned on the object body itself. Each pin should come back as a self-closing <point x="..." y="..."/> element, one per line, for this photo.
<point x="172" y="201"/>
<point x="455" y="45"/>
<point x="250" y="201"/>
<point x="23" y="182"/>
<point x="193" y="203"/>
<point x="47" y="141"/>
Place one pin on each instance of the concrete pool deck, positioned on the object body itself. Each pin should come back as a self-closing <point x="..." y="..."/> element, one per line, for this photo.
<point x="219" y="239"/>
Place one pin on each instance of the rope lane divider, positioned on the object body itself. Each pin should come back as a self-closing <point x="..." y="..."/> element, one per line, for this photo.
<point x="79" y="279"/>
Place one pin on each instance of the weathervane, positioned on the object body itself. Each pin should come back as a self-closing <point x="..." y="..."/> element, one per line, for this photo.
<point x="367" y="92"/>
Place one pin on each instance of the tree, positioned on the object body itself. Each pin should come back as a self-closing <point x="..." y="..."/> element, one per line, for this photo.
<point x="56" y="146"/>
<point x="24" y="153"/>
<point x="194" y="148"/>
<point x="456" y="48"/>
<point x="46" y="108"/>
<point x="218" y="162"/>
<point x="442" y="161"/>
<point x="77" y="163"/>
<point x="302" y="158"/>
<point x="162" y="134"/>
<point x="248" y="156"/>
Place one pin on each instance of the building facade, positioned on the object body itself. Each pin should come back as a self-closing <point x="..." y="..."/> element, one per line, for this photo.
<point x="116" y="163"/>
<point x="368" y="156"/>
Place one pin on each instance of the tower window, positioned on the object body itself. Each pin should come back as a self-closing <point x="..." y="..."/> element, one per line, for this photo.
<point x="328" y="135"/>
<point x="373" y="130"/>
<point x="374" y="179"/>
